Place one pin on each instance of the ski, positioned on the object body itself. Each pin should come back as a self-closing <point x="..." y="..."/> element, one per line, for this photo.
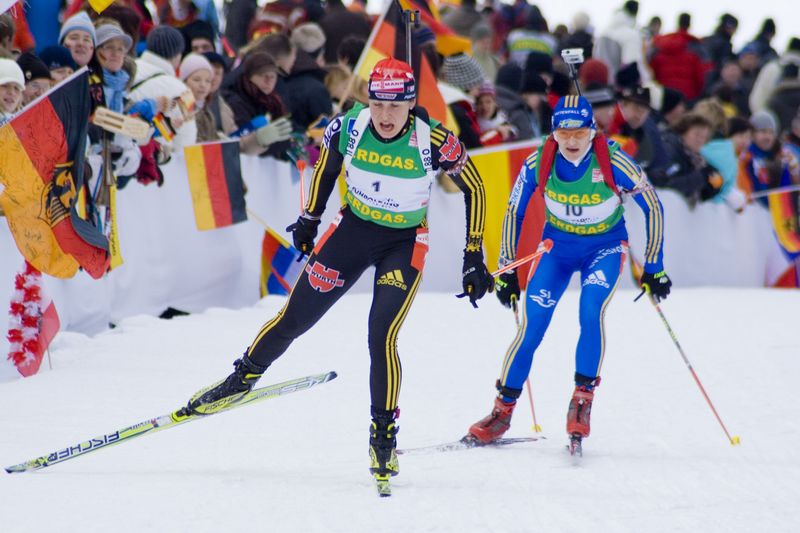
<point x="466" y="443"/>
<point x="171" y="420"/>
<point x="383" y="485"/>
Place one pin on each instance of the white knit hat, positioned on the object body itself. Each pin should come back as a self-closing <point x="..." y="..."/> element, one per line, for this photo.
<point x="11" y="73"/>
<point x="191" y="64"/>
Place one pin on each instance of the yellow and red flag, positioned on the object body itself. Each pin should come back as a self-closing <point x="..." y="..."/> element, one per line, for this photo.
<point x="215" y="181"/>
<point x="41" y="167"/>
<point x="499" y="166"/>
<point x="100" y="5"/>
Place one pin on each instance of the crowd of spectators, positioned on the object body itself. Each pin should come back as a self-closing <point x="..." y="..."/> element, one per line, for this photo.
<point x="702" y="118"/>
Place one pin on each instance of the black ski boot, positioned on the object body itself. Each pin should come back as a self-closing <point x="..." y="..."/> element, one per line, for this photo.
<point x="230" y="390"/>
<point x="383" y="443"/>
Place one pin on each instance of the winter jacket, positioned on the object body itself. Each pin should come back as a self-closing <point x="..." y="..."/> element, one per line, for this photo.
<point x="238" y="14"/>
<point x="721" y="155"/>
<point x="338" y="23"/>
<point x="768" y="79"/>
<point x="155" y="77"/>
<point x="463" y="110"/>
<point x="528" y="125"/>
<point x="677" y="66"/>
<point x="462" y="19"/>
<point x="688" y="172"/>
<point x="622" y="32"/>
<point x="309" y="96"/>
<point x="785" y="102"/>
<point x="523" y="41"/>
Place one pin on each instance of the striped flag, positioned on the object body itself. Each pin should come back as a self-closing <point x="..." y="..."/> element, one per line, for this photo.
<point x="448" y="42"/>
<point x="280" y="267"/>
<point x="215" y="181"/>
<point x="783" y="211"/>
<point x="502" y="164"/>
<point x="41" y="167"/>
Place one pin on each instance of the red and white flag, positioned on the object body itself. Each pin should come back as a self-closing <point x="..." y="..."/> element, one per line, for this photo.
<point x="33" y="321"/>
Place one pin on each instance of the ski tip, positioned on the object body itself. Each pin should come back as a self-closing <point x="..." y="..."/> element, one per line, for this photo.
<point x="735" y="440"/>
<point x="333" y="374"/>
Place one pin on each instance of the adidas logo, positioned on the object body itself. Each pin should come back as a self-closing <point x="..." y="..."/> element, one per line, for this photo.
<point x="596" y="278"/>
<point x="393" y="278"/>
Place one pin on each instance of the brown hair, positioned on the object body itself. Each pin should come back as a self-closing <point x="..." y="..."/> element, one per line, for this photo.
<point x="714" y="113"/>
<point x="689" y="121"/>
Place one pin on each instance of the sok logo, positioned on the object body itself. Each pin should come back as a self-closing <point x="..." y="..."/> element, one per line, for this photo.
<point x="322" y="278"/>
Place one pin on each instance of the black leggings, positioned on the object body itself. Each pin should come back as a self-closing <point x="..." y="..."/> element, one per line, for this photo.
<point x="343" y="253"/>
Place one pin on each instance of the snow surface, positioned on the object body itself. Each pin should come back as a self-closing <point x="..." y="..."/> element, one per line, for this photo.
<point x="657" y="460"/>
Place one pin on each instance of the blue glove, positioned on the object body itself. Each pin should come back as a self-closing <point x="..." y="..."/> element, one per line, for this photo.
<point x="146" y="109"/>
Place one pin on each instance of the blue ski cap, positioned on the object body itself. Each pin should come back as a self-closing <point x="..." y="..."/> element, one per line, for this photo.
<point x="573" y="112"/>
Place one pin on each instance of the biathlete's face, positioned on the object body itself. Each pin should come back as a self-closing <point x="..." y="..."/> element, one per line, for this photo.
<point x="388" y="118"/>
<point x="573" y="143"/>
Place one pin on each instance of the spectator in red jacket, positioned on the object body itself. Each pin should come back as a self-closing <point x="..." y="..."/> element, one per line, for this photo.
<point x="676" y="65"/>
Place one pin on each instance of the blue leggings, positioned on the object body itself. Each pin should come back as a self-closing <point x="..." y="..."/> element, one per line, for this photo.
<point x="600" y="269"/>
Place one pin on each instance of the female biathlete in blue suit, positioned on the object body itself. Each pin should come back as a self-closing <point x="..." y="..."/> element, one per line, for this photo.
<point x="584" y="177"/>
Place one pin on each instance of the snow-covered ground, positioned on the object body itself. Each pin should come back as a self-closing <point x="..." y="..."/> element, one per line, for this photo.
<point x="657" y="460"/>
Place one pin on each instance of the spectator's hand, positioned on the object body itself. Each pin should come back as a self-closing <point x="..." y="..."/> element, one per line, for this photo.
<point x="506" y="287"/>
<point x="658" y="285"/>
<point x="712" y="186"/>
<point x="304" y="231"/>
<point x="475" y="279"/>
<point x="276" y="131"/>
<point x="507" y="131"/>
<point x="127" y="163"/>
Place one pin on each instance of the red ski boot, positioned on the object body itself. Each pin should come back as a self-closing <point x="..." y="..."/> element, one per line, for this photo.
<point x="495" y="425"/>
<point x="579" y="413"/>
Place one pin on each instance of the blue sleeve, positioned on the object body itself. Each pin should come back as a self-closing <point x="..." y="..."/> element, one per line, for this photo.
<point x="524" y="187"/>
<point x="629" y="178"/>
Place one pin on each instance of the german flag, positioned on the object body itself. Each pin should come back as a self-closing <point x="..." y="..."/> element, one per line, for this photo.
<point x="41" y="166"/>
<point x="448" y="42"/>
<point x="388" y="38"/>
<point x="280" y="267"/>
<point x="786" y="224"/>
<point x="215" y="181"/>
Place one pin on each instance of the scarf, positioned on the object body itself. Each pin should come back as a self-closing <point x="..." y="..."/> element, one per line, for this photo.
<point x="114" y="84"/>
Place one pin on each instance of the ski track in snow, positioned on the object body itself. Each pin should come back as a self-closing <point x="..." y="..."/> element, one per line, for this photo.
<point x="656" y="461"/>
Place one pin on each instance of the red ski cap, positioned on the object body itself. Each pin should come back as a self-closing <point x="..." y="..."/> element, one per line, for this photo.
<point x="391" y="80"/>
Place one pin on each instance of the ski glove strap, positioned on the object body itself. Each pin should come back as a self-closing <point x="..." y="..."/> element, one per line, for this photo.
<point x="304" y="231"/>
<point x="657" y="285"/>
<point x="476" y="280"/>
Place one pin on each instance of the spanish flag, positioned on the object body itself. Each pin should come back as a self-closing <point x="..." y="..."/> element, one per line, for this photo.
<point x="215" y="181"/>
<point x="41" y="167"/>
<point x="502" y="163"/>
<point x="280" y="265"/>
<point x="388" y="38"/>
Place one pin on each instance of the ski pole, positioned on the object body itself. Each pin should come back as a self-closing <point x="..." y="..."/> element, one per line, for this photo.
<point x="779" y="190"/>
<point x="544" y="247"/>
<point x="301" y="168"/>
<point x="733" y="440"/>
<point x="536" y="427"/>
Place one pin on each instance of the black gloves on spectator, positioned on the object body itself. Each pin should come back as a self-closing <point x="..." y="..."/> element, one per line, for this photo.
<point x="657" y="284"/>
<point x="476" y="279"/>
<point x="507" y="288"/>
<point x="304" y="231"/>
<point x="712" y="185"/>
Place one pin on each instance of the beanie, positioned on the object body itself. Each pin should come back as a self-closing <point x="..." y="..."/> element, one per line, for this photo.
<point x="216" y="59"/>
<point x="572" y="112"/>
<point x="509" y="76"/>
<point x="32" y="67"/>
<point x="309" y="38"/>
<point x="165" y="41"/>
<point x="738" y="125"/>
<point x="628" y="76"/>
<point x="106" y="32"/>
<point x="631" y="7"/>
<point x="11" y="73"/>
<point x="57" y="57"/>
<point x="78" y="21"/>
<point x="599" y="95"/>
<point x="197" y="29"/>
<point x="392" y="80"/>
<point x="191" y="64"/>
<point x="764" y="120"/>
<point x="672" y="98"/>
<point x="462" y="71"/>
<point x="532" y="83"/>
<point x="487" y="88"/>
<point x="593" y="71"/>
<point x="539" y="62"/>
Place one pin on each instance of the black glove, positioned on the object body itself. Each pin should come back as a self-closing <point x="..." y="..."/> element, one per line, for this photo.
<point x="657" y="284"/>
<point x="476" y="279"/>
<point x="507" y="288"/>
<point x="304" y="231"/>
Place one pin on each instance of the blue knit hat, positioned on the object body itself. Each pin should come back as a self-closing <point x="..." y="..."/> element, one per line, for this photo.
<point x="165" y="41"/>
<point x="57" y="57"/>
<point x="572" y="112"/>
<point x="78" y="21"/>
